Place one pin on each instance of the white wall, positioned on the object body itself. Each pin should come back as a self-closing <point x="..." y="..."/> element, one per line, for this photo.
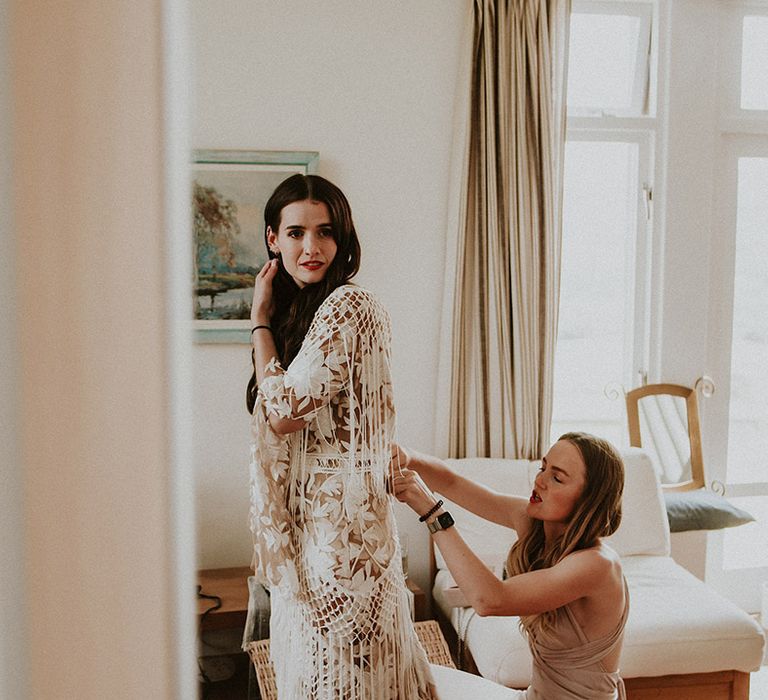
<point x="370" y="86"/>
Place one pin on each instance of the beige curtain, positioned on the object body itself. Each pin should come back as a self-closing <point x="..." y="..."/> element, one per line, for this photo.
<point x="507" y="259"/>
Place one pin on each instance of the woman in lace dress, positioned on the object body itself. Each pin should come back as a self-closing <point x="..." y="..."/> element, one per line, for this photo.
<point x="565" y="584"/>
<point x="325" y="539"/>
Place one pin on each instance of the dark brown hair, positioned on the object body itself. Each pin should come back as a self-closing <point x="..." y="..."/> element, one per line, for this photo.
<point x="295" y="307"/>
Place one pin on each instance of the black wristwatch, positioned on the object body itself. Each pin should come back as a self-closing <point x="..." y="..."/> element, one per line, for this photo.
<point x="441" y="522"/>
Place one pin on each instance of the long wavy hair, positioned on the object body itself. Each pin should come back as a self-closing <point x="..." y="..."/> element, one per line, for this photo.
<point x="294" y="306"/>
<point x="597" y="514"/>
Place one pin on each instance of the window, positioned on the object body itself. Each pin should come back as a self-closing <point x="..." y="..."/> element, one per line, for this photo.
<point x="746" y="547"/>
<point x="754" y="60"/>
<point x="737" y="559"/>
<point x="602" y="333"/>
<point x="748" y="410"/>
<point x="609" y="58"/>
<point x="597" y="281"/>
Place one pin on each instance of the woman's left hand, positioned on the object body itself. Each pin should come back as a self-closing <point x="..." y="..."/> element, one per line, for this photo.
<point x="409" y="488"/>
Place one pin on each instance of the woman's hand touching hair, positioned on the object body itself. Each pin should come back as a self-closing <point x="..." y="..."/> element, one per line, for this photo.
<point x="263" y="306"/>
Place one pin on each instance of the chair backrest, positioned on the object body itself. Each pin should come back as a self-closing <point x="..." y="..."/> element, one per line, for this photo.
<point x="664" y="418"/>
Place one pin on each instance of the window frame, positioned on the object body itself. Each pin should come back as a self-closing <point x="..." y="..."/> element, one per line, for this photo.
<point x="741" y="133"/>
<point x="643" y="128"/>
<point x="643" y="101"/>
<point x="638" y="318"/>
<point x="638" y="304"/>
<point x="733" y="118"/>
<point x="722" y="274"/>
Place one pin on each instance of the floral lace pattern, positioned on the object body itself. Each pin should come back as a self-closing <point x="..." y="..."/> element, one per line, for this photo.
<point x="325" y="538"/>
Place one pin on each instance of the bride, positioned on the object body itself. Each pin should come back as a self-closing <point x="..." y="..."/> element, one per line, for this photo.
<point x="323" y="418"/>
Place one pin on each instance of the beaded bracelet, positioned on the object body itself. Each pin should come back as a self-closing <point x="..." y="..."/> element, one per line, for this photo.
<point x="432" y="510"/>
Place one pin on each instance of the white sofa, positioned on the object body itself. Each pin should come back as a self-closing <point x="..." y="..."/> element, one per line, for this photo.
<point x="682" y="640"/>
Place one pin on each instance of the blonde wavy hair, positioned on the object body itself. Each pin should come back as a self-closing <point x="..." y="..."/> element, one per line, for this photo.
<point x="597" y="514"/>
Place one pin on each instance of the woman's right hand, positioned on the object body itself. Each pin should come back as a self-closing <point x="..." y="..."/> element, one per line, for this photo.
<point x="409" y="488"/>
<point x="262" y="306"/>
<point x="399" y="459"/>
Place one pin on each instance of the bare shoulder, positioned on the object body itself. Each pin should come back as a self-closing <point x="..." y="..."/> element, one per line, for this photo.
<point x="597" y="570"/>
<point x="611" y="562"/>
<point x="600" y="607"/>
<point x="601" y="559"/>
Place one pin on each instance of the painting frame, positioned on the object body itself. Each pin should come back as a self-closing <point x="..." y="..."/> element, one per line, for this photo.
<point x="229" y="190"/>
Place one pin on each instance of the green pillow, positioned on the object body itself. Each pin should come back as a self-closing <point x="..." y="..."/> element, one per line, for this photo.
<point x="702" y="510"/>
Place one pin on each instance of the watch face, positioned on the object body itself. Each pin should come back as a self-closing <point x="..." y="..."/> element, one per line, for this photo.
<point x="445" y="520"/>
<point x="441" y="522"/>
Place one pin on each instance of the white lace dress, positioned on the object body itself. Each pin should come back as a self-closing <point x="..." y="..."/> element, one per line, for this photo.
<point x="325" y="539"/>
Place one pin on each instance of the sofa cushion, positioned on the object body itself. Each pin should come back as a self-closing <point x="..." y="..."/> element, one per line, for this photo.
<point x="678" y="622"/>
<point x="644" y="528"/>
<point x="677" y="625"/>
<point x="458" y="685"/>
<point x="700" y="509"/>
<point x="489" y="541"/>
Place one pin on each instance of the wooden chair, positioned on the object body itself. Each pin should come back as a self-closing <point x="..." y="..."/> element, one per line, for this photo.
<point x="428" y="632"/>
<point x="661" y="430"/>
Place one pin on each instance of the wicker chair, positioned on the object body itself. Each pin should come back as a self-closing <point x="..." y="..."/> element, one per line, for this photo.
<point x="429" y="634"/>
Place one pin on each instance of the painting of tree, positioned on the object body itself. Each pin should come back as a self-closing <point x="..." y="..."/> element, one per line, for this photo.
<point x="216" y="271"/>
<point x="229" y="191"/>
<point x="215" y="224"/>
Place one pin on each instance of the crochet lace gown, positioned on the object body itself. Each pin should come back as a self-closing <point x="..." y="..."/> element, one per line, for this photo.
<point x="325" y="539"/>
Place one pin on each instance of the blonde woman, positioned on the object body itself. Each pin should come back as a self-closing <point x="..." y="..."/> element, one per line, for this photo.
<point x="565" y="584"/>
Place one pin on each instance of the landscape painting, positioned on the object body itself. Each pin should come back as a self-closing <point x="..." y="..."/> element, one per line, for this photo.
<point x="229" y="191"/>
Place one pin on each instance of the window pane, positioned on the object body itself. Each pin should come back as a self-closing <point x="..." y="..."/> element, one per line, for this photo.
<point x="602" y="61"/>
<point x="754" y="63"/>
<point x="746" y="546"/>
<point x="748" y="423"/>
<point x="594" y="344"/>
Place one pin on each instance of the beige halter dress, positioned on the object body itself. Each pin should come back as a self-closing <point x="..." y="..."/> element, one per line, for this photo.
<point x="567" y="667"/>
<point x="571" y="668"/>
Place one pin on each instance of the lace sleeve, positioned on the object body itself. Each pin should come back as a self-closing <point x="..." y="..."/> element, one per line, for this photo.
<point x="273" y="549"/>
<point x="323" y="364"/>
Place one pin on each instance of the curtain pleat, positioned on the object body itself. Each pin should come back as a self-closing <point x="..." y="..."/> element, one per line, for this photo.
<point x="507" y="263"/>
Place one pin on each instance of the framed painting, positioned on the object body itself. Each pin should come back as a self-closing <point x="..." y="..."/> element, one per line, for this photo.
<point x="229" y="191"/>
